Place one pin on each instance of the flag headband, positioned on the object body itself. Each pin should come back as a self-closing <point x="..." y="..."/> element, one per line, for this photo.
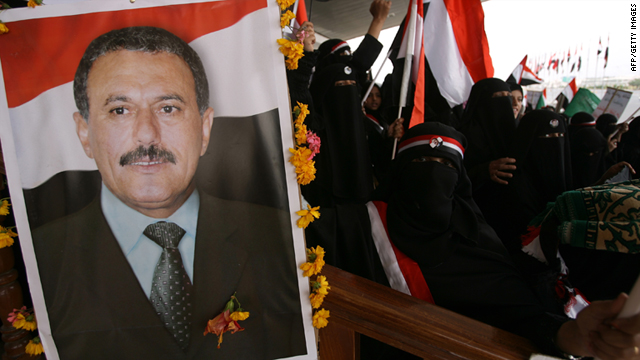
<point x="593" y="123"/>
<point x="339" y="46"/>
<point x="434" y="141"/>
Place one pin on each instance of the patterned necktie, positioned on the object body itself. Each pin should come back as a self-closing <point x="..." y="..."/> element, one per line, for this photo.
<point x="171" y="288"/>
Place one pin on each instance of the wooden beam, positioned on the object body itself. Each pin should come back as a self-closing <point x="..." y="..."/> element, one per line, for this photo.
<point x="410" y="324"/>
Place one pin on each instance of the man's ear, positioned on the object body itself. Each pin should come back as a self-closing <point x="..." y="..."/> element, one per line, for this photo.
<point x="207" y="123"/>
<point x="82" y="129"/>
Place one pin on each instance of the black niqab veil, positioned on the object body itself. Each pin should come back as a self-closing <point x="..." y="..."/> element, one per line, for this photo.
<point x="578" y="121"/>
<point x="543" y="173"/>
<point x="429" y="202"/>
<point x="631" y="145"/>
<point x="606" y="124"/>
<point x="344" y="173"/>
<point x="588" y="148"/>
<point x="487" y="122"/>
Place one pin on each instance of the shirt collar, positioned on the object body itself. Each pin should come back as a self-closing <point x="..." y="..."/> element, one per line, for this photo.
<point x="128" y="224"/>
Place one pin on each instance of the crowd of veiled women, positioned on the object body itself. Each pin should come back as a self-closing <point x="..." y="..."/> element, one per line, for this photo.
<point x="481" y="213"/>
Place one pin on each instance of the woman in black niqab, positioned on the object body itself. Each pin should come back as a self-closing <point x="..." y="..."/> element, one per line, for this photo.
<point x="543" y="156"/>
<point x="630" y="142"/>
<point x="588" y="155"/>
<point x="433" y="219"/>
<point x="344" y="174"/>
<point x="489" y="127"/>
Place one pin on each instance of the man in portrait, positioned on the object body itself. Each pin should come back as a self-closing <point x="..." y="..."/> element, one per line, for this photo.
<point x="139" y="271"/>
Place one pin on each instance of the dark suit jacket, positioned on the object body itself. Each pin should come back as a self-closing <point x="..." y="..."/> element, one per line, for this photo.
<point x="98" y="310"/>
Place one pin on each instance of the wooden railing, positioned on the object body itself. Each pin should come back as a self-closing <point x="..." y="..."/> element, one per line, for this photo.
<point x="359" y="306"/>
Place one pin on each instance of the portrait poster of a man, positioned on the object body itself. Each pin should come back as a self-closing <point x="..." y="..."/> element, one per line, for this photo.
<point x="145" y="153"/>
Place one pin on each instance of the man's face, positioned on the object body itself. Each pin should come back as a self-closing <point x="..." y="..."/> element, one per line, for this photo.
<point x="144" y="129"/>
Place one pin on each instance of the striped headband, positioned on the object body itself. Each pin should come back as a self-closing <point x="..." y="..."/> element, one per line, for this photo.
<point x="434" y="141"/>
<point x="585" y="124"/>
<point x="339" y="46"/>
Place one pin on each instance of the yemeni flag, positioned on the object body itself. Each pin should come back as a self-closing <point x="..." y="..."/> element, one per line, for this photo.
<point x="456" y="55"/>
<point x="523" y="75"/>
<point x="606" y="57"/>
<point x="569" y="92"/>
<point x="412" y="51"/>
<point x="599" y="46"/>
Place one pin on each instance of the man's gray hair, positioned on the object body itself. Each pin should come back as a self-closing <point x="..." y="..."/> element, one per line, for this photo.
<point x="145" y="39"/>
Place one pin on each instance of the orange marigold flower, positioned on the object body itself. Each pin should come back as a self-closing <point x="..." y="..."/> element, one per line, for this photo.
<point x="320" y="318"/>
<point x="34" y="3"/>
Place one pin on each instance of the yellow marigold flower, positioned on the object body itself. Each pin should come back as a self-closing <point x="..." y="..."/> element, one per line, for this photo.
<point x="34" y="3"/>
<point x="304" y="111"/>
<point x="239" y="315"/>
<point x="285" y="3"/>
<point x="307" y="216"/>
<point x="316" y="300"/>
<point x="315" y="260"/>
<point x="306" y="173"/>
<point x="320" y="319"/>
<point x="286" y="18"/>
<point x="301" y="134"/>
<point x="289" y="47"/>
<point x="4" y="209"/>
<point x="19" y="322"/>
<point x="292" y="64"/>
<point x="30" y="323"/>
<point x="300" y="156"/>
<point x="6" y="237"/>
<point x="34" y="347"/>
<point x="321" y="285"/>
<point x="3" y="28"/>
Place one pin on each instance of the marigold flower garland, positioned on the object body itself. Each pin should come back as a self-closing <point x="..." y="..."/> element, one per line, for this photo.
<point x="319" y="286"/>
<point x="26" y="319"/>
<point x="292" y="49"/>
<point x="302" y="158"/>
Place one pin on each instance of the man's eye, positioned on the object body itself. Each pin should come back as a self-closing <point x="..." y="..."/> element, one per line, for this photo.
<point x="119" y="111"/>
<point x="168" y="109"/>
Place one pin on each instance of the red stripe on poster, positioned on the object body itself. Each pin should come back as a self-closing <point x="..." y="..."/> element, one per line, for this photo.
<point x="41" y="54"/>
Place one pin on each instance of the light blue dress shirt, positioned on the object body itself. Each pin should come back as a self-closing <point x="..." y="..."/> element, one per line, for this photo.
<point x="143" y="253"/>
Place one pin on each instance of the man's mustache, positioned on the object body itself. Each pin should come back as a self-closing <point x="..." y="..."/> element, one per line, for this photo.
<point x="151" y="153"/>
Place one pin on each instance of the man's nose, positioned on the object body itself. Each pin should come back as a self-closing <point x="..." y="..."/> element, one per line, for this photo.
<point x="146" y="128"/>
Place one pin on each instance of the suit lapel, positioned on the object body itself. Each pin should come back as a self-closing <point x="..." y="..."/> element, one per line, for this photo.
<point x="218" y="266"/>
<point x="121" y="291"/>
